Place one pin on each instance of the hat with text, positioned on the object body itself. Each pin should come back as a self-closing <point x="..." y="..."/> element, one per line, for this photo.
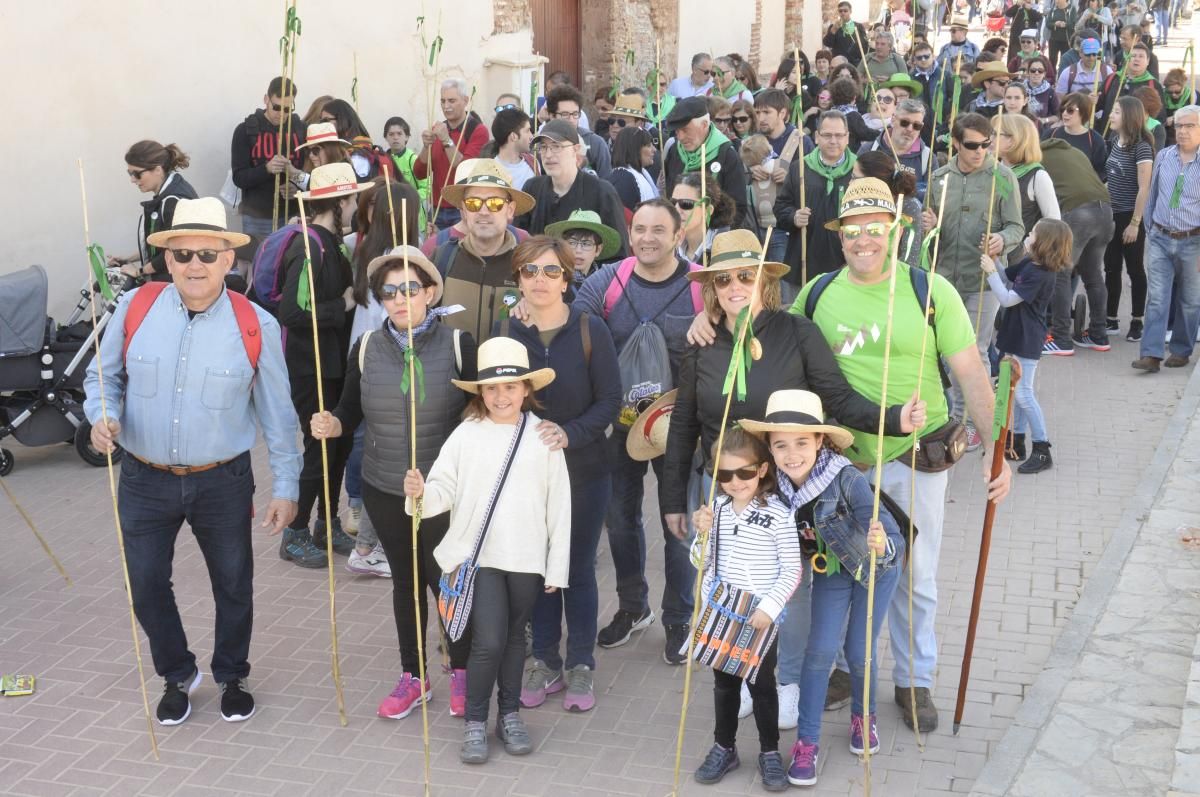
<point x="505" y="360"/>
<point x="333" y="181"/>
<point x="864" y="196"/>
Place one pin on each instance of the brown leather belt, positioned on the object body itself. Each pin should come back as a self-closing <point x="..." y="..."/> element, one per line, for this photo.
<point x="181" y="470"/>
<point x="1178" y="236"/>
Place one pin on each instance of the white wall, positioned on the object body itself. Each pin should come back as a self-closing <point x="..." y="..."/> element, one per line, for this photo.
<point x="87" y="79"/>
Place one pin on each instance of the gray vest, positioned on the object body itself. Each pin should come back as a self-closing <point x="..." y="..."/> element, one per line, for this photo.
<point x="385" y="409"/>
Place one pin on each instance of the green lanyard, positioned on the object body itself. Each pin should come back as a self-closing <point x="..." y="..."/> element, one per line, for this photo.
<point x="1177" y="191"/>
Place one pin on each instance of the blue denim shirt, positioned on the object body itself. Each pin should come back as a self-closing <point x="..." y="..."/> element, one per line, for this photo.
<point x="186" y="394"/>
<point x="842" y="516"/>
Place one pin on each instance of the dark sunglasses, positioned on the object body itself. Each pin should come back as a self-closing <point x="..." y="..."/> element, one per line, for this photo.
<point x="494" y="203"/>
<point x="1036" y="71"/>
<point x="531" y="270"/>
<point x="741" y="120"/>
<point x="508" y="106"/>
<point x="1001" y="83"/>
<point x="410" y="289"/>
<point x="281" y="108"/>
<point x="975" y="146"/>
<point x="923" y="57"/>
<point x="723" y="120"/>
<point x="207" y="256"/>
<point x="722" y="279"/>
<point x="620" y="121"/>
<point x="329" y="120"/>
<point x="706" y="71"/>
<point x="687" y="204"/>
<point x="917" y="126"/>
<point x="745" y="473"/>
<point x="136" y="173"/>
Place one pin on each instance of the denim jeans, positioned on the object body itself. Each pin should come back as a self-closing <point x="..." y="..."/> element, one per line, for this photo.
<point x="447" y="217"/>
<point x="1093" y="227"/>
<point x="777" y="248"/>
<point x="1162" y="24"/>
<point x="258" y="230"/>
<point x="627" y="542"/>
<point x="1167" y="261"/>
<point x="580" y="601"/>
<point x="1027" y="412"/>
<point x="794" y="629"/>
<point x="983" y="340"/>
<point x="218" y="505"/>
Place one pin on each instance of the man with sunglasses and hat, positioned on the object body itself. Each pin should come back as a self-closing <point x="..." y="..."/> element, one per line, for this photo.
<point x="990" y="80"/>
<point x="191" y="372"/>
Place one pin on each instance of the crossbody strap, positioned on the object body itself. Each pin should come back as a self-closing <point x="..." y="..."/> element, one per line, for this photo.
<point x="504" y="471"/>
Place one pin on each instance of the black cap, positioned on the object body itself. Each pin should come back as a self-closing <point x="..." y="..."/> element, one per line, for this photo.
<point x="558" y="130"/>
<point x="685" y="111"/>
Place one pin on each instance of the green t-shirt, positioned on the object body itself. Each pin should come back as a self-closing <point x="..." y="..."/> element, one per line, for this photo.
<point x="853" y="318"/>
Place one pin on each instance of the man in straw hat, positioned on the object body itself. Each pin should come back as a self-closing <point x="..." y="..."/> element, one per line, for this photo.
<point x="190" y="369"/>
<point x="991" y="80"/>
<point x="857" y="300"/>
<point x="947" y="58"/>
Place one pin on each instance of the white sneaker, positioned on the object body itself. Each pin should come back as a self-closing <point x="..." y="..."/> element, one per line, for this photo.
<point x="789" y="706"/>
<point x="747" y="706"/>
<point x="373" y="564"/>
<point x="350" y="524"/>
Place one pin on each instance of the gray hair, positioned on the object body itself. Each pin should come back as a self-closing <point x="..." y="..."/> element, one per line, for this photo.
<point x="700" y="58"/>
<point x="911" y="106"/>
<point x="1187" y="110"/>
<point x="725" y="64"/>
<point x="456" y="83"/>
<point x="883" y="35"/>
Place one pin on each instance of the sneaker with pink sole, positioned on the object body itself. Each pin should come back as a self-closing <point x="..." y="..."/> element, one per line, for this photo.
<point x="404" y="698"/>
<point x="580" y="695"/>
<point x="458" y="693"/>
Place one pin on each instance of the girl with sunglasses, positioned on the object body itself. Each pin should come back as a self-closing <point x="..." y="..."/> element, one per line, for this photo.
<point x="743" y="118"/>
<point x="703" y="216"/>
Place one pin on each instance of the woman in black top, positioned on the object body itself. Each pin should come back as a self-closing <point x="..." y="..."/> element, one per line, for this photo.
<point x="154" y="169"/>
<point x="1130" y="163"/>
<point x="1075" y="130"/>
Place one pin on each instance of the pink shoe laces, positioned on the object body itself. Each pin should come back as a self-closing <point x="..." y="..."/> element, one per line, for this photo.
<point x="404" y="686"/>
<point x="804" y="755"/>
<point x="856" y="726"/>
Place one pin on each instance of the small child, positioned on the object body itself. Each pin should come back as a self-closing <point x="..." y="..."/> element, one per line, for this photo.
<point x="397" y="132"/>
<point x="817" y="482"/>
<point x="526" y="546"/>
<point x="756" y="152"/>
<point x="757" y="549"/>
<point x="1023" y="329"/>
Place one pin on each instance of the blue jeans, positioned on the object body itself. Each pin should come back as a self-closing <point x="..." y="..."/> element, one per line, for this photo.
<point x="627" y="542"/>
<point x="447" y="217"/>
<point x="353" y="482"/>
<point x="580" y="601"/>
<point x="1027" y="411"/>
<point x="1162" y="23"/>
<point x="777" y="248"/>
<point x="217" y="504"/>
<point x="834" y="597"/>
<point x="1171" y="261"/>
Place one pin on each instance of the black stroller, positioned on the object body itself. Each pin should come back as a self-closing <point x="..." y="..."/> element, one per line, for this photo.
<point x="42" y="367"/>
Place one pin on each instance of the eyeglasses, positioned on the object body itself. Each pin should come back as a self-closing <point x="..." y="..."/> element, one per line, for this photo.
<point x="494" y="203"/>
<point x="723" y="120"/>
<point x="582" y="244"/>
<point x="744" y="473"/>
<point x="207" y="256"/>
<point x="723" y="279"/>
<point x="876" y="229"/>
<point x="687" y="204"/>
<point x="975" y="146"/>
<point x="551" y="149"/>
<point x="508" y="106"/>
<point x="281" y="108"/>
<point x="1189" y="126"/>
<point x="741" y="120"/>
<point x="1036" y="71"/>
<point x="531" y="270"/>
<point x="906" y="123"/>
<point x="568" y="115"/>
<point x="833" y="136"/>
<point x="885" y="99"/>
<point x="136" y="173"/>
<point x="410" y="289"/>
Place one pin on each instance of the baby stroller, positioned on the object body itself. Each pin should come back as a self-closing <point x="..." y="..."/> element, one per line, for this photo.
<point x="42" y="368"/>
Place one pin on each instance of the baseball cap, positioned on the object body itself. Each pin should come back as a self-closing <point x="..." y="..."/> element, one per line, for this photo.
<point x="559" y="131"/>
<point x="1090" y="47"/>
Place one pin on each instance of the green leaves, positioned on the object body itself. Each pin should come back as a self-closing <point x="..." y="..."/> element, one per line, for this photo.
<point x="1003" y="394"/>
<point x="99" y="270"/>
<point x="304" y="289"/>
<point x="435" y="49"/>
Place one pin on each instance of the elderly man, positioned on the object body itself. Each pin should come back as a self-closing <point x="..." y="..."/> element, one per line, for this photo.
<point x="844" y="36"/>
<point x="189" y="368"/>
<point x="902" y="140"/>
<point x="696" y="83"/>
<point x="857" y="298"/>
<point x="1173" y="247"/>
<point x="459" y="137"/>
<point x="883" y="61"/>
<point x="477" y="269"/>
<point x="697" y="140"/>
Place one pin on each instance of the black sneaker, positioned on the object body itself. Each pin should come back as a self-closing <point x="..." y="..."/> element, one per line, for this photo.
<point x="837" y="695"/>
<point x="675" y="649"/>
<point x="772" y="771"/>
<point x="717" y="764"/>
<point x="236" y="703"/>
<point x="623" y="624"/>
<point x="1135" y="331"/>
<point x="175" y="705"/>
<point x="1112" y="326"/>
<point x="1086" y="341"/>
<point x="343" y="543"/>
<point x="296" y="545"/>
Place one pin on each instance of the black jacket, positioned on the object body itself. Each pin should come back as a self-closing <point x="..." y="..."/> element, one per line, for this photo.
<point x="157" y="214"/>
<point x="838" y="43"/>
<point x="730" y="175"/>
<point x="254" y="142"/>
<point x="824" y="247"/>
<point x="588" y="192"/>
<point x="796" y="356"/>
<point x="331" y="275"/>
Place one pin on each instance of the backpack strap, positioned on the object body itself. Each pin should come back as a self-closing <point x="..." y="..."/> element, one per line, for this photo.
<point x="819" y="286"/>
<point x="697" y="290"/>
<point x="139" y="306"/>
<point x="612" y="294"/>
<point x="362" y="349"/>
<point x="920" y="285"/>
<point x="444" y="256"/>
<point x="585" y="333"/>
<point x="243" y="312"/>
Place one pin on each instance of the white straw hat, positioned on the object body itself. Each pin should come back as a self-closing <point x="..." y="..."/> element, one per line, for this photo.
<point x="203" y="216"/>
<point x="796" y="411"/>
<point x="505" y="360"/>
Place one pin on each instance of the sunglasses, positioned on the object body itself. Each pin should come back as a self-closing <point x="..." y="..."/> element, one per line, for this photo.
<point x="620" y="121"/>
<point x="508" y="106"/>
<point x="741" y="120"/>
<point x="923" y="57"/>
<point x="410" y="289"/>
<point x="329" y="120"/>
<point x="282" y="109"/>
<point x="207" y="256"/>
<point x="493" y="203"/>
<point x="136" y="173"/>
<point x="885" y="99"/>
<point x="531" y="270"/>
<point x="687" y="204"/>
<point x="876" y="229"/>
<point x="705" y="71"/>
<point x="1001" y="83"/>
<point x="723" y="120"/>
<point x="1036" y="71"/>
<point x="745" y="473"/>
<point x="723" y="279"/>
<point x="975" y="146"/>
<point x="906" y="123"/>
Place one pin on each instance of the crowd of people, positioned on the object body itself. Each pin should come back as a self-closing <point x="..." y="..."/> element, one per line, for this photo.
<point x="489" y="339"/>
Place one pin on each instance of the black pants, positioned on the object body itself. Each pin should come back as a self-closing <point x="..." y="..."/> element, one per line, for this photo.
<point x="1133" y="256"/>
<point x="312" y="491"/>
<point x="394" y="528"/>
<point x="503" y="605"/>
<point x="1056" y="51"/>
<point x="727" y="699"/>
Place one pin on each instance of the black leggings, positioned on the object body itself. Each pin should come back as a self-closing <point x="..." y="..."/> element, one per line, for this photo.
<point x="502" y="606"/>
<point x="304" y="399"/>
<point x="1133" y="257"/>
<point x="394" y="528"/>
<point x="727" y="698"/>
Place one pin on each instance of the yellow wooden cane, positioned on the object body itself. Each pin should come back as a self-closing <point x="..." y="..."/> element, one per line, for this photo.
<point x="987" y="232"/>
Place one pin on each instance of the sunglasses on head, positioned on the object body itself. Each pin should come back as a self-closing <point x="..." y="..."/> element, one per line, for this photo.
<point x="508" y="106"/>
<point x="744" y="473"/>
<point x="281" y="108"/>
<point x="975" y="146"/>
<point x="493" y="203"/>
<point x="917" y="126"/>
<point x="741" y="120"/>
<point x="136" y="173"/>
<point x="531" y="270"/>
<point x="876" y="229"/>
<point x="409" y="289"/>
<point x="723" y="279"/>
<point x="207" y="256"/>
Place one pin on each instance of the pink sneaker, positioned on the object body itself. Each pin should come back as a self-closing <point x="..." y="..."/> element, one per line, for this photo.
<point x="404" y="698"/>
<point x="458" y="693"/>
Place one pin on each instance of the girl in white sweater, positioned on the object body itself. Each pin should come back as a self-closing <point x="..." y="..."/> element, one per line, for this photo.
<point x="526" y="545"/>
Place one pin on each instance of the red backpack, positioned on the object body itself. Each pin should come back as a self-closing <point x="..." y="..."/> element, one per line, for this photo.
<point x="247" y="320"/>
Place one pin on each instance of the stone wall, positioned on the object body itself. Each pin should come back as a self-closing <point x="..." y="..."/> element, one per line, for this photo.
<point x="609" y="30"/>
<point x="510" y="16"/>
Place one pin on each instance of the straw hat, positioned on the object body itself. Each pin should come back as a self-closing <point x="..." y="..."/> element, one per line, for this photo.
<point x="333" y="181"/>
<point x="796" y="411"/>
<point x="864" y="195"/>
<point x="632" y="105"/>
<point x="990" y="71"/>
<point x="321" y="133"/>
<point x="488" y="173"/>
<point x="203" y="216"/>
<point x="958" y="21"/>
<point x="610" y="239"/>
<point x="416" y="260"/>
<point x="648" y="436"/>
<point x="505" y="360"/>
<point x="736" y="249"/>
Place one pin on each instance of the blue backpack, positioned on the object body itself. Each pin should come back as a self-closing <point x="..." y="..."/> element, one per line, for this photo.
<point x="267" y="273"/>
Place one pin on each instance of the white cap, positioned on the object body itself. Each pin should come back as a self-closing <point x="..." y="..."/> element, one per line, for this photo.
<point x="1029" y="33"/>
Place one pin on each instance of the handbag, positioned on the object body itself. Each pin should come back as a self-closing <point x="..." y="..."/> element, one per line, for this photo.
<point x="724" y="638"/>
<point x="456" y="589"/>
<point x="940" y="449"/>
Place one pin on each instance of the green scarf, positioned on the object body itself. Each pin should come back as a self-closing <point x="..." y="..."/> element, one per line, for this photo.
<point x="831" y="173"/>
<point x="1025" y="168"/>
<point x="735" y="88"/>
<point x="1152" y="123"/>
<point x="1142" y="78"/>
<point x="1175" y="105"/>
<point x="710" y="147"/>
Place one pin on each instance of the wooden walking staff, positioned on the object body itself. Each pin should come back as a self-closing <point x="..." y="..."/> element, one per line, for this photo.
<point x="335" y="666"/>
<point x="704" y="202"/>
<point x="287" y="51"/>
<point x="953" y="105"/>
<point x="435" y="51"/>
<point x="41" y="540"/>
<point x="1116" y="97"/>
<point x="800" y="166"/>
<point x="987" y="232"/>
<point x="893" y="260"/>
<point x="741" y="330"/>
<point x="1096" y="90"/>
<point x="1010" y="374"/>
<point x="112" y="482"/>
<point x="658" y="123"/>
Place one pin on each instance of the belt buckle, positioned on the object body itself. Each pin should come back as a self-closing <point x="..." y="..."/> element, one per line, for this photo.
<point x="179" y="470"/>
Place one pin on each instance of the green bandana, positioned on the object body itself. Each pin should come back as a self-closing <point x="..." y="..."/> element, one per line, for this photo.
<point x="1175" y="105"/>
<point x="831" y="173"/>
<point x="710" y="147"/>
<point x="735" y="88"/>
<point x="1025" y="168"/>
<point x="739" y="361"/>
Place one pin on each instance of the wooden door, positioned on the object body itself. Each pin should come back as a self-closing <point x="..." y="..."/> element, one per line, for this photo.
<point x="556" y="35"/>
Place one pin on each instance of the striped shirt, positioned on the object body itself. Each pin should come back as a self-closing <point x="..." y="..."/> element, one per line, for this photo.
<point x="1168" y="166"/>
<point x="758" y="550"/>
<point x="1122" y="173"/>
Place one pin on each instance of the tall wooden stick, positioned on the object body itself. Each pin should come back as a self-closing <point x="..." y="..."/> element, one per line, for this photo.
<point x="286" y="42"/>
<point x="954" y="100"/>
<point x="987" y="232"/>
<point x="435" y="53"/>
<point x="462" y="132"/>
<point x="37" y="534"/>
<point x="1116" y="98"/>
<point x="658" y="123"/>
<point x="1096" y="89"/>
<point x="803" y="189"/>
<point x="112" y="482"/>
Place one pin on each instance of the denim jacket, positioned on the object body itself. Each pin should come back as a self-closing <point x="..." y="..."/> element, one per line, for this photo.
<point x="842" y="516"/>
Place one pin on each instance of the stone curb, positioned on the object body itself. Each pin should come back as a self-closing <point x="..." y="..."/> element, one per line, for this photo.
<point x="1009" y="756"/>
<point x="1186" y="775"/>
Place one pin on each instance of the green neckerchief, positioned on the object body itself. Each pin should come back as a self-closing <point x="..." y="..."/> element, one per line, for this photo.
<point x="1142" y="78"/>
<point x="1025" y="55"/>
<point x="831" y="173"/>
<point x="1025" y="168"/>
<point x="735" y="88"/>
<point x="1175" y="105"/>
<point x="1151" y="123"/>
<point x="712" y="144"/>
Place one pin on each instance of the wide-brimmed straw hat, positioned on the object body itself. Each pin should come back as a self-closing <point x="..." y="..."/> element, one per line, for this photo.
<point x="589" y="220"/>
<point x="958" y="21"/>
<point x="416" y="260"/>
<point x="648" y="436"/>
<point x="632" y="105"/>
<point x="505" y="360"/>
<point x="863" y="196"/>
<point x="333" y="181"/>
<point x="488" y="173"/>
<point x="902" y="80"/>
<point x="796" y="411"/>
<point x="990" y="71"/>
<point x="321" y="133"/>
<point x="203" y="216"/>
<point x="736" y="249"/>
